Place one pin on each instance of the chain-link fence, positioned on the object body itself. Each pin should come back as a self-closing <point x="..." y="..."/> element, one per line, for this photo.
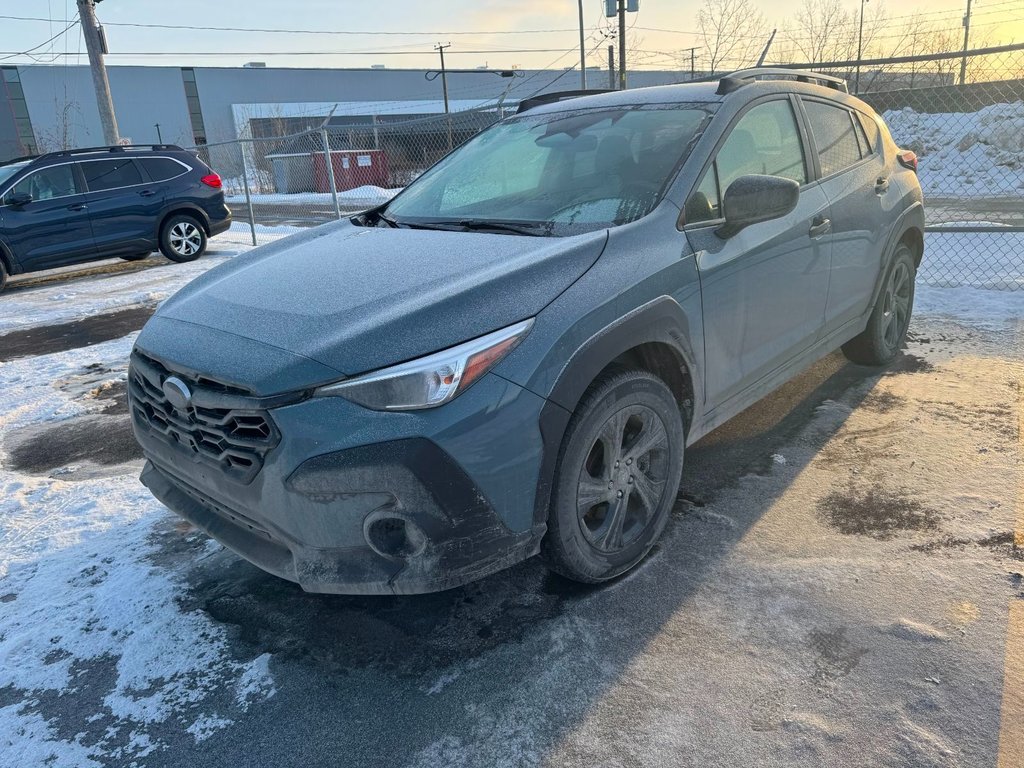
<point x="969" y="138"/>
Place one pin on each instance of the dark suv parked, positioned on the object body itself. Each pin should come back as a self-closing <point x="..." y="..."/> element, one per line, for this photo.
<point x="512" y="355"/>
<point x="86" y="204"/>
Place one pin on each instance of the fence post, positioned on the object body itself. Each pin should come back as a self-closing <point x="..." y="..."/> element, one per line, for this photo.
<point x="330" y="172"/>
<point x="248" y="195"/>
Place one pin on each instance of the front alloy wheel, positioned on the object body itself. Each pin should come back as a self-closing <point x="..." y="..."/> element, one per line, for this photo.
<point x="617" y="477"/>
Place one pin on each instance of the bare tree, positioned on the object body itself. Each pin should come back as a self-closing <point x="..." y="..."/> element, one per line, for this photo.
<point x="824" y="31"/>
<point x="731" y="31"/>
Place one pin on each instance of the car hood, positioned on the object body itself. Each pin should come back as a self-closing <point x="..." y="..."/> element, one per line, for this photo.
<point x="361" y="298"/>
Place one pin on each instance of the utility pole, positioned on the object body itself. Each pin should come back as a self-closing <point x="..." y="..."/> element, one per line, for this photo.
<point x="860" y="47"/>
<point x="583" y="53"/>
<point x="95" y="44"/>
<point x="611" y="67"/>
<point x="622" y="45"/>
<point x="444" y="89"/>
<point x="967" y="37"/>
<point x="444" y="73"/>
<point x="693" y="61"/>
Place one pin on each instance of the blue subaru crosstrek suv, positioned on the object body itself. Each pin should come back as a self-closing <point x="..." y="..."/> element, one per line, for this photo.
<point x="511" y="356"/>
<point x="83" y="205"/>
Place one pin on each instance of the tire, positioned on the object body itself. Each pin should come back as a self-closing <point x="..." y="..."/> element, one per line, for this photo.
<point x="602" y="523"/>
<point x="887" y="327"/>
<point x="3" y="275"/>
<point x="136" y="256"/>
<point x="182" y="238"/>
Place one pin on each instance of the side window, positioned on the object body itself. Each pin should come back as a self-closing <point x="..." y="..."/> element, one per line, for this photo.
<point x="162" y="168"/>
<point x="870" y="128"/>
<point x="704" y="204"/>
<point x="110" y="174"/>
<point x="833" y="135"/>
<point x="47" y="184"/>
<point x="765" y="141"/>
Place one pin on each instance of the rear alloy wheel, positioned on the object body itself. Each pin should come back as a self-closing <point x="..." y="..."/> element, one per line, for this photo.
<point x="182" y="239"/>
<point x="617" y="478"/>
<point x="887" y="327"/>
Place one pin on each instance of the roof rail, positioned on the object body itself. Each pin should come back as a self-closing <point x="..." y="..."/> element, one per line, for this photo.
<point x="551" y="98"/>
<point x="112" y="149"/>
<point x="738" y="79"/>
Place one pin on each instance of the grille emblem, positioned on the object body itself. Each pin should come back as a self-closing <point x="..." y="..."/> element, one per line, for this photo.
<point x="177" y="393"/>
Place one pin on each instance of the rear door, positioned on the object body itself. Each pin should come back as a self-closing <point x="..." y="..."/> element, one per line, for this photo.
<point x="123" y="205"/>
<point x="763" y="289"/>
<point x="53" y="229"/>
<point x="856" y="182"/>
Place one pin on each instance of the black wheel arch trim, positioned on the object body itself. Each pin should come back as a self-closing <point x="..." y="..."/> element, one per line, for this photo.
<point x="185" y="209"/>
<point x="912" y="219"/>
<point x="659" y="321"/>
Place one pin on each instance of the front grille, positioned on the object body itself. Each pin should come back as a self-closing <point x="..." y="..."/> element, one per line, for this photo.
<point x="234" y="440"/>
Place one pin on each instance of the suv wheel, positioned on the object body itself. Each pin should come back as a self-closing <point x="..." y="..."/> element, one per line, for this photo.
<point x="617" y="477"/>
<point x="182" y="239"/>
<point x="3" y="275"/>
<point x="881" y="340"/>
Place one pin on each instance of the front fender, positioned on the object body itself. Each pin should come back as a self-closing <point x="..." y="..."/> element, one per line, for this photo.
<point x="661" y="320"/>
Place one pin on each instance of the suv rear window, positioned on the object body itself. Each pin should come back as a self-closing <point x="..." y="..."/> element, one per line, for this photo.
<point x="832" y="128"/>
<point x="161" y="168"/>
<point x="110" y="174"/>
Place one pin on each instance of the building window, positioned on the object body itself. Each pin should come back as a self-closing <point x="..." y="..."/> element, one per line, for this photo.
<point x="19" y="108"/>
<point x="195" y="109"/>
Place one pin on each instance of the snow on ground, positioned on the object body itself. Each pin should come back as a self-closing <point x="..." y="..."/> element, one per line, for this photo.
<point x="79" y="588"/>
<point x="367" y="194"/>
<point x="66" y="301"/>
<point x="974" y="259"/>
<point x="965" y="153"/>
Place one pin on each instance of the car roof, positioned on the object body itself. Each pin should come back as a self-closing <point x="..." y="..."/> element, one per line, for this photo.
<point x="697" y="93"/>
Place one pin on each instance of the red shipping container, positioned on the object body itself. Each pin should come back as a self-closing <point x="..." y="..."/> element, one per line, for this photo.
<point x="352" y="168"/>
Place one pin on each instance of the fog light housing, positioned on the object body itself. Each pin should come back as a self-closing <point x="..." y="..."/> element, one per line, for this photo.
<point x="394" y="537"/>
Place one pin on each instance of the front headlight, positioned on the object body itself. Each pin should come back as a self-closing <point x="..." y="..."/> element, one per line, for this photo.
<point x="433" y="380"/>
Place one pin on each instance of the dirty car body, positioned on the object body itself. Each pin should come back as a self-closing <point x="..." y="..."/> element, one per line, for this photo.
<point x="393" y="403"/>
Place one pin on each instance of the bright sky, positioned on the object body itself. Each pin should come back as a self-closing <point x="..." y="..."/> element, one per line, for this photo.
<point x="493" y="33"/>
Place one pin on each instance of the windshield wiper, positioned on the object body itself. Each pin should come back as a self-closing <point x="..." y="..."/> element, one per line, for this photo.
<point x="530" y="228"/>
<point x="381" y="216"/>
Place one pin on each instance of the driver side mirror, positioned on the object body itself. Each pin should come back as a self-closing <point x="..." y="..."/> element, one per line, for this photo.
<point x="17" y="201"/>
<point x="753" y="199"/>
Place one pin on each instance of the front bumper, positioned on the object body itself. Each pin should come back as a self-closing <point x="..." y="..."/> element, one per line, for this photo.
<point x="360" y="502"/>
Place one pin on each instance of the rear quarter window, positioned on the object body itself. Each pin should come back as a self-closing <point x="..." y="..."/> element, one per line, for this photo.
<point x="162" y="168"/>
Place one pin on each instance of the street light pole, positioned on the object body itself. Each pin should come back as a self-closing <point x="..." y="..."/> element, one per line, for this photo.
<point x="583" y="53"/>
<point x="622" y="45"/>
<point x="860" y="47"/>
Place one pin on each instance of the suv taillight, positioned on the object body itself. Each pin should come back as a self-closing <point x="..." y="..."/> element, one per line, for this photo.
<point x="211" y="180"/>
<point x="907" y="159"/>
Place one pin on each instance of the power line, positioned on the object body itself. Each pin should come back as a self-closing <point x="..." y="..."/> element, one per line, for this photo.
<point x="11" y="55"/>
<point x="350" y="32"/>
<point x="308" y="53"/>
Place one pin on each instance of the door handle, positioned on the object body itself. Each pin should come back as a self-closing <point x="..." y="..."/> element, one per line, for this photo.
<point x="147" y="193"/>
<point x="819" y="226"/>
<point x="78" y="207"/>
<point x="881" y="185"/>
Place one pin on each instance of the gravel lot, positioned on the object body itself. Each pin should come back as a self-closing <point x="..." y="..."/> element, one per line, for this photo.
<point x="840" y="585"/>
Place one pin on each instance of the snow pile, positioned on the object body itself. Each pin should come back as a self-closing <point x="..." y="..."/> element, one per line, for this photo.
<point x="86" y="612"/>
<point x="974" y="153"/>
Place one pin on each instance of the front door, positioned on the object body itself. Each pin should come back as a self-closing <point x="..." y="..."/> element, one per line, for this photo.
<point x="53" y="228"/>
<point x="763" y="289"/>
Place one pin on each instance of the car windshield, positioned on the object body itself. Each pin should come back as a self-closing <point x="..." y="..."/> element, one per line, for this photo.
<point x="8" y="171"/>
<point x="555" y="173"/>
